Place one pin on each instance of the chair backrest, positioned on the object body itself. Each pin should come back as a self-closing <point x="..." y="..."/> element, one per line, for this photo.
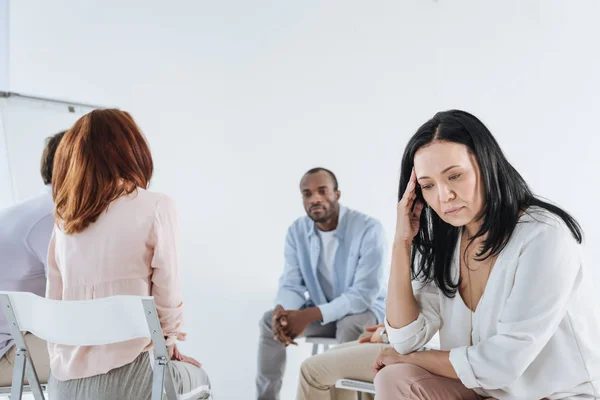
<point x="84" y="323"/>
<point x="80" y="323"/>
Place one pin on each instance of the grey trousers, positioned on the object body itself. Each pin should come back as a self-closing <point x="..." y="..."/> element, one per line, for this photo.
<point x="272" y="354"/>
<point x="132" y="382"/>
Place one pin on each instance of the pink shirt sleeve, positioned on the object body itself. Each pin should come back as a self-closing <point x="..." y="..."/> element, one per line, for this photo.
<point x="54" y="284"/>
<point x="165" y="269"/>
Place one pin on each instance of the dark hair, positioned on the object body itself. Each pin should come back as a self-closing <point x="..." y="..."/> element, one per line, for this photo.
<point x="47" y="162"/>
<point x="506" y="195"/>
<point x="320" y="169"/>
<point x="102" y="157"/>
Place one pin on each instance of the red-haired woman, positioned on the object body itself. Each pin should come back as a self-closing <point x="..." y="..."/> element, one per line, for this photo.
<point x="113" y="237"/>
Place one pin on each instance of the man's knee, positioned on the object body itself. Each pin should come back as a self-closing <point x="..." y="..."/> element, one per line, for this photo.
<point x="265" y="322"/>
<point x="350" y="327"/>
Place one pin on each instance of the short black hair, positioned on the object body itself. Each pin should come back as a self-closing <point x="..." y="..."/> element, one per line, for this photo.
<point x="47" y="162"/>
<point x="321" y="169"/>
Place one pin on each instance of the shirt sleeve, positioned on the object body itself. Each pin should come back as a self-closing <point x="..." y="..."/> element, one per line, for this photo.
<point x="38" y="239"/>
<point x="54" y="285"/>
<point x="291" y="284"/>
<point x="418" y="333"/>
<point x="166" y="288"/>
<point x="549" y="271"/>
<point x="368" y="279"/>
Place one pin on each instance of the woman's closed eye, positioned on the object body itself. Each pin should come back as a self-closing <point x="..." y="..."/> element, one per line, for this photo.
<point x="428" y="186"/>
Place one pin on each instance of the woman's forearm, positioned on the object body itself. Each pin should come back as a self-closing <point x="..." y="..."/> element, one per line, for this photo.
<point x="401" y="306"/>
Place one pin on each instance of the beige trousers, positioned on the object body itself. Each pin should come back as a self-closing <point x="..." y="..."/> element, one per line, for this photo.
<point x="39" y="354"/>
<point x="409" y="382"/>
<point x="351" y="360"/>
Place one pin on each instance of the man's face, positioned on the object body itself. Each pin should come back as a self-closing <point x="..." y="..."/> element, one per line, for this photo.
<point x="319" y="196"/>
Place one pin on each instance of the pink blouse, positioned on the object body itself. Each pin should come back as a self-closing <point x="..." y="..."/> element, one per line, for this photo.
<point x="130" y="250"/>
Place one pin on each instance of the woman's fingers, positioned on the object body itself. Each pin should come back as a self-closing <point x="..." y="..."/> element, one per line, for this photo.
<point x="406" y="204"/>
<point x="365" y="339"/>
<point x="411" y="184"/>
<point x="377" y="365"/>
<point x="418" y="209"/>
<point x="410" y="194"/>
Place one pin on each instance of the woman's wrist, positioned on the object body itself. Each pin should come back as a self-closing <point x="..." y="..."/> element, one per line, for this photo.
<point x="401" y="255"/>
<point x="402" y="245"/>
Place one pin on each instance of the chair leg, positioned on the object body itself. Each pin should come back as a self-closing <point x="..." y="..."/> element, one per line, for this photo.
<point x="16" y="392"/>
<point x="162" y="381"/>
<point x="359" y="395"/>
<point x="315" y="348"/>
<point x="34" y="381"/>
<point x="325" y="347"/>
<point x="169" y="384"/>
<point x="158" y="380"/>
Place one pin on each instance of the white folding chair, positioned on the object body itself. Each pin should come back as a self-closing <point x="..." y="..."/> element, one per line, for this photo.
<point x="359" y="387"/>
<point x="320" y="341"/>
<point x="100" y="321"/>
<point x="5" y="391"/>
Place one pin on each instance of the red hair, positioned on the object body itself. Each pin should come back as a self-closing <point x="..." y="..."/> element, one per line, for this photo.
<point x="102" y="157"/>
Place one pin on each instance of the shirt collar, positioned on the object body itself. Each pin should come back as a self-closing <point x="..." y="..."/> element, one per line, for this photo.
<point x="339" y="231"/>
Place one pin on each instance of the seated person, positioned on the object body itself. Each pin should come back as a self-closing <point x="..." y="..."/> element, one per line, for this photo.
<point x="495" y="269"/>
<point x="24" y="239"/>
<point x="114" y="237"/>
<point x="335" y="254"/>
<point x="352" y="360"/>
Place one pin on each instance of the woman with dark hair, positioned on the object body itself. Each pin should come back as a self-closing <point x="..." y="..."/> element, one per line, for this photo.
<point x="495" y="270"/>
<point x="114" y="237"/>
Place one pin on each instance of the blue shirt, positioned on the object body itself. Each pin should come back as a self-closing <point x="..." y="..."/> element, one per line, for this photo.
<point x="25" y="231"/>
<point x="358" y="276"/>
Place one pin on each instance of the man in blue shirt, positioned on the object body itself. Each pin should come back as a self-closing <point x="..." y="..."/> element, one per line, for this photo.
<point x="333" y="280"/>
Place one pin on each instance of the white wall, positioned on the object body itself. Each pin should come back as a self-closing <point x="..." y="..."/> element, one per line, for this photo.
<point x="239" y="98"/>
<point x="25" y="123"/>
<point x="4" y="40"/>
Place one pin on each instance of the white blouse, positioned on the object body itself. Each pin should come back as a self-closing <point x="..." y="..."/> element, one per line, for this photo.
<point x="536" y="329"/>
